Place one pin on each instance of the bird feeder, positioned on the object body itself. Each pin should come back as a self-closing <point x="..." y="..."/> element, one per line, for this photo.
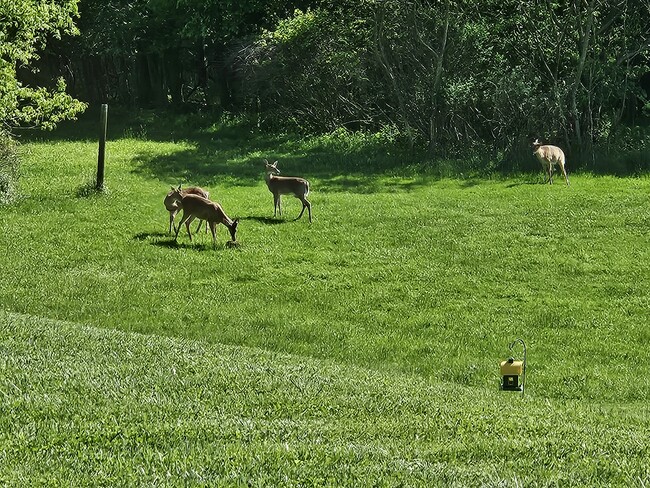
<point x="513" y="371"/>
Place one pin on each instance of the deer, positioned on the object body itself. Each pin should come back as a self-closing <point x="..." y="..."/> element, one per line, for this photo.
<point x="286" y="185"/>
<point x="198" y="207"/>
<point x="548" y="156"/>
<point x="173" y="205"/>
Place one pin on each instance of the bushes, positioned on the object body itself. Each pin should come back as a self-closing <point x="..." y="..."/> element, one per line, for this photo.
<point x="310" y="74"/>
<point x="9" y="166"/>
<point x="452" y="77"/>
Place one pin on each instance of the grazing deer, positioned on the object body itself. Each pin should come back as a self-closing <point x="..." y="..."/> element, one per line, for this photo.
<point x="197" y="207"/>
<point x="548" y="156"/>
<point x="286" y="185"/>
<point x="173" y="205"/>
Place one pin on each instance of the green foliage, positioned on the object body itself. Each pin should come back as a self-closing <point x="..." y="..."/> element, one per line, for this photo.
<point x="310" y="73"/>
<point x="157" y="53"/>
<point x="451" y="75"/>
<point x="44" y="108"/>
<point x="9" y="169"/>
<point x="448" y="75"/>
<point x="25" y="27"/>
<point x="221" y="21"/>
<point x="627" y="152"/>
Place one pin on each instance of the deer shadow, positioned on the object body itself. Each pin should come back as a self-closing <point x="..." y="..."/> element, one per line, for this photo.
<point x="163" y="239"/>
<point x="266" y="220"/>
<point x="199" y="246"/>
<point x="143" y="236"/>
<point x="524" y="183"/>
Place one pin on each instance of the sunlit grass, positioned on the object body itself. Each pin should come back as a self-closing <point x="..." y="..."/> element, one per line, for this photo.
<point x="87" y="407"/>
<point x="401" y="273"/>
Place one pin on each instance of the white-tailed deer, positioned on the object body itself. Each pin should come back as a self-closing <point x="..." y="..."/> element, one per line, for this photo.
<point x="286" y="185"/>
<point x="197" y="207"/>
<point x="173" y="204"/>
<point x="549" y="156"/>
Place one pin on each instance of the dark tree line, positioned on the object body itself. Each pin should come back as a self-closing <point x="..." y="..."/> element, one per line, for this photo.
<point x="447" y="74"/>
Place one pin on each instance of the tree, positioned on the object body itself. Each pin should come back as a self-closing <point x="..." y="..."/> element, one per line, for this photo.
<point x="161" y="53"/>
<point x="25" y="26"/>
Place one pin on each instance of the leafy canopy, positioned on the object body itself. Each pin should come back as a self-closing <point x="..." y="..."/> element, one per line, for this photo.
<point x="25" y="27"/>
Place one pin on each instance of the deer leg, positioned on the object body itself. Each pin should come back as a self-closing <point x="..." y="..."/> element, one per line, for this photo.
<point x="172" y="214"/>
<point x="276" y="204"/>
<point x="198" y="227"/>
<point x="301" y="212"/>
<point x="565" y="176"/>
<point x="550" y="174"/>
<point x="187" y="226"/>
<point x="213" y="229"/>
<point x="180" y="224"/>
<point x="305" y="205"/>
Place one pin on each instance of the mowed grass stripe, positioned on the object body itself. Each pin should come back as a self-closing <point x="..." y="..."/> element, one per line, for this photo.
<point x="87" y="406"/>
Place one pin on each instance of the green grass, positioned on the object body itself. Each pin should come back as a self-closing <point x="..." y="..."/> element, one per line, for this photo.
<point x="85" y="406"/>
<point x="377" y="330"/>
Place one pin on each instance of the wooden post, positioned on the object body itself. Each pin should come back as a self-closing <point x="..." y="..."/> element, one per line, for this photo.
<point x="103" y="121"/>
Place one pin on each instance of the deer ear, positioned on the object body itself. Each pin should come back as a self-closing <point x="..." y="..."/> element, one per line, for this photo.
<point x="275" y="164"/>
<point x="266" y="161"/>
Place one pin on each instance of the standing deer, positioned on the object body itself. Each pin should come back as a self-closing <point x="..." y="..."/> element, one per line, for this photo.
<point x="548" y="156"/>
<point x="173" y="205"/>
<point x="286" y="185"/>
<point x="197" y="207"/>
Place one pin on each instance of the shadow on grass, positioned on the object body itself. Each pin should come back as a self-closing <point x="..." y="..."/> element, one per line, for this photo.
<point x="232" y="153"/>
<point x="162" y="239"/>
<point x="90" y="190"/>
<point x="266" y="220"/>
<point x="143" y="236"/>
<point x="325" y="171"/>
<point x="527" y="182"/>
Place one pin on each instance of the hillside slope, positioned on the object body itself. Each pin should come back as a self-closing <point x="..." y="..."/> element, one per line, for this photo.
<point x="88" y="406"/>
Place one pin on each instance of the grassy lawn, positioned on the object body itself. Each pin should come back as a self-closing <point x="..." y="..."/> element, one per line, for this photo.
<point x="84" y="407"/>
<point x="371" y="337"/>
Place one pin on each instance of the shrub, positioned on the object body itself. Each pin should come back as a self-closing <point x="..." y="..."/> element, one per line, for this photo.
<point x="9" y="167"/>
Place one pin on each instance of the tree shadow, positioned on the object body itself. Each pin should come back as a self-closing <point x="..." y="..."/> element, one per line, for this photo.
<point x="471" y="183"/>
<point x="231" y="154"/>
<point x="202" y="167"/>
<point x="206" y="166"/>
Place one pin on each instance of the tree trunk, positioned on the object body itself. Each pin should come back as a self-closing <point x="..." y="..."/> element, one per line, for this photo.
<point x="384" y="62"/>
<point x="173" y="76"/>
<point x="437" y="81"/>
<point x="143" y="81"/>
<point x="585" y="37"/>
<point x="156" y="78"/>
